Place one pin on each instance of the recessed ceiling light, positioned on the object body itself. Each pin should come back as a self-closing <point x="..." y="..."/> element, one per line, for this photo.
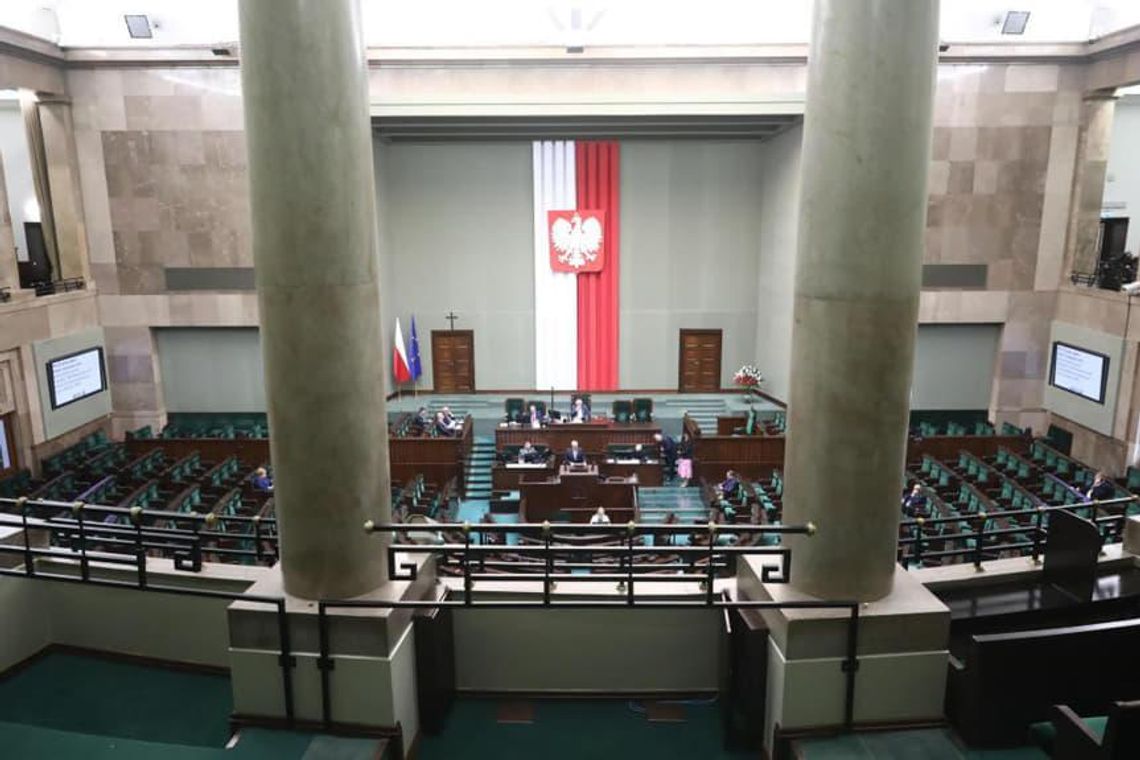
<point x="1015" y="22"/>
<point x="138" y="26"/>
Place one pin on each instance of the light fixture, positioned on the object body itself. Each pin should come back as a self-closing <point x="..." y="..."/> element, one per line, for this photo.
<point x="138" y="26"/>
<point x="1015" y="22"/>
<point x="31" y="210"/>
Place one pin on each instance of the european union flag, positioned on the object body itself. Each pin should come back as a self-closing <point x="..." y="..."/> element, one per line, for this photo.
<point x="414" y="354"/>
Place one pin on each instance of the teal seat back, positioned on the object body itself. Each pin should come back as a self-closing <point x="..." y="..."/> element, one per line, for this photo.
<point x="643" y="409"/>
<point x="622" y="410"/>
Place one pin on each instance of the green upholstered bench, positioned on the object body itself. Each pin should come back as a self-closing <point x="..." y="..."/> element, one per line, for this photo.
<point x="1044" y="734"/>
<point x="1068" y="736"/>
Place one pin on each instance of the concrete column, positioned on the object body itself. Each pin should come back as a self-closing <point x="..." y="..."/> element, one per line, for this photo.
<point x="866" y="151"/>
<point x="314" y="237"/>
<point x="9" y="274"/>
<point x="62" y="159"/>
<point x="1093" y="144"/>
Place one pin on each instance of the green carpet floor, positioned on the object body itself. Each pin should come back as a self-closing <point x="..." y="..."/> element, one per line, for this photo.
<point x="575" y="729"/>
<point x="68" y="706"/>
<point x="94" y="696"/>
<point x="927" y="744"/>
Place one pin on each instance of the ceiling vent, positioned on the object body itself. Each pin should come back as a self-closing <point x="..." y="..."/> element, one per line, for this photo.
<point x="1015" y="22"/>
<point x="139" y="26"/>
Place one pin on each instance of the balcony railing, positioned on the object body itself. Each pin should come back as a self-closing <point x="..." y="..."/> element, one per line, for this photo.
<point x="918" y="534"/>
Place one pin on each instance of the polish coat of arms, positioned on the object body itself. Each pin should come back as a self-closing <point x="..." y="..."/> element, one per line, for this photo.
<point x="577" y="241"/>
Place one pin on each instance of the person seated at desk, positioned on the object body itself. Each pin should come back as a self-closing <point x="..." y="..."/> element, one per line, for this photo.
<point x="261" y="480"/>
<point x="600" y="517"/>
<point x="442" y="428"/>
<point x="914" y="503"/>
<point x="580" y="412"/>
<point x="450" y="419"/>
<point x="423" y="417"/>
<point x="528" y="454"/>
<point x="729" y="488"/>
<point x="1102" y="488"/>
<point x="574" y="454"/>
<point x="535" y="417"/>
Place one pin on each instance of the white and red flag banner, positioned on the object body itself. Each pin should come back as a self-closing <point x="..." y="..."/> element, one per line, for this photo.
<point x="576" y="234"/>
<point x="401" y="368"/>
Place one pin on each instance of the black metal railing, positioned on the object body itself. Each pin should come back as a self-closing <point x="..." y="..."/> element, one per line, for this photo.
<point x="186" y="537"/>
<point x="918" y="534"/>
<point x="51" y="287"/>
<point x="87" y="548"/>
<point x="98" y="546"/>
<point x="547" y="555"/>
<point x="699" y="563"/>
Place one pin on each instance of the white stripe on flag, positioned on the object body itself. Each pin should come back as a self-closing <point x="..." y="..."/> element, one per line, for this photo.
<point x="555" y="293"/>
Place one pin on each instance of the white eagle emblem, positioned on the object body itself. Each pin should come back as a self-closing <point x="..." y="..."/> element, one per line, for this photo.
<point x="577" y="240"/>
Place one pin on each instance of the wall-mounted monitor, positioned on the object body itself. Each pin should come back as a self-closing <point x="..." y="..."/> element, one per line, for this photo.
<point x="1079" y="371"/>
<point x="76" y="376"/>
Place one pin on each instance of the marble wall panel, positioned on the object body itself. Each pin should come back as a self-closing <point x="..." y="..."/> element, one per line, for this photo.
<point x="136" y="383"/>
<point x="176" y="198"/>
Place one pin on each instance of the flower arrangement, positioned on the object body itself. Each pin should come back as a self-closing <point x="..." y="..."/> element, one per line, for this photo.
<point x="748" y="376"/>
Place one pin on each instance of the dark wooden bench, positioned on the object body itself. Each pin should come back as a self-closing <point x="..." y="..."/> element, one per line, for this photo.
<point x="1006" y="681"/>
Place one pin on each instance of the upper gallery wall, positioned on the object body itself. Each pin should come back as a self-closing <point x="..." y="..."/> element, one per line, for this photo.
<point x="163" y="169"/>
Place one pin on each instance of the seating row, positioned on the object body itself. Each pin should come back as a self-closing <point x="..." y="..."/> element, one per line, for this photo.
<point x="516" y="408"/>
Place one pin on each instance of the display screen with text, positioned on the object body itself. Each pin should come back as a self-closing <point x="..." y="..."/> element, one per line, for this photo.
<point x="1079" y="371"/>
<point x="76" y="376"/>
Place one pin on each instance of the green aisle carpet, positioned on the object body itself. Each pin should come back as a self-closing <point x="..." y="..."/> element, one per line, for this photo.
<point x="576" y="730"/>
<point x="94" y="696"/>
<point x="927" y="744"/>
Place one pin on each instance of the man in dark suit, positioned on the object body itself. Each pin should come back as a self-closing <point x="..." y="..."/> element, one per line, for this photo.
<point x="534" y="417"/>
<point x="528" y="454"/>
<point x="668" y="448"/>
<point x="1102" y="488"/>
<point x="915" y="502"/>
<point x="574" y="454"/>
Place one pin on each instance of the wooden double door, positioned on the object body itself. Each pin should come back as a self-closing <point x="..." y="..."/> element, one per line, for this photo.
<point x="453" y="361"/>
<point x="699" y="360"/>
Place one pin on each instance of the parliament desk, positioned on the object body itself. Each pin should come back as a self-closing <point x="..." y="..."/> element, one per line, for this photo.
<point x="756" y="456"/>
<point x="575" y="496"/>
<point x="508" y="476"/>
<point x="438" y="459"/>
<point x="648" y="473"/>
<point x="592" y="436"/>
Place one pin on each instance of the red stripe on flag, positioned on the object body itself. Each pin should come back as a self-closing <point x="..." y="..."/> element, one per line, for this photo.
<point x="598" y="328"/>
